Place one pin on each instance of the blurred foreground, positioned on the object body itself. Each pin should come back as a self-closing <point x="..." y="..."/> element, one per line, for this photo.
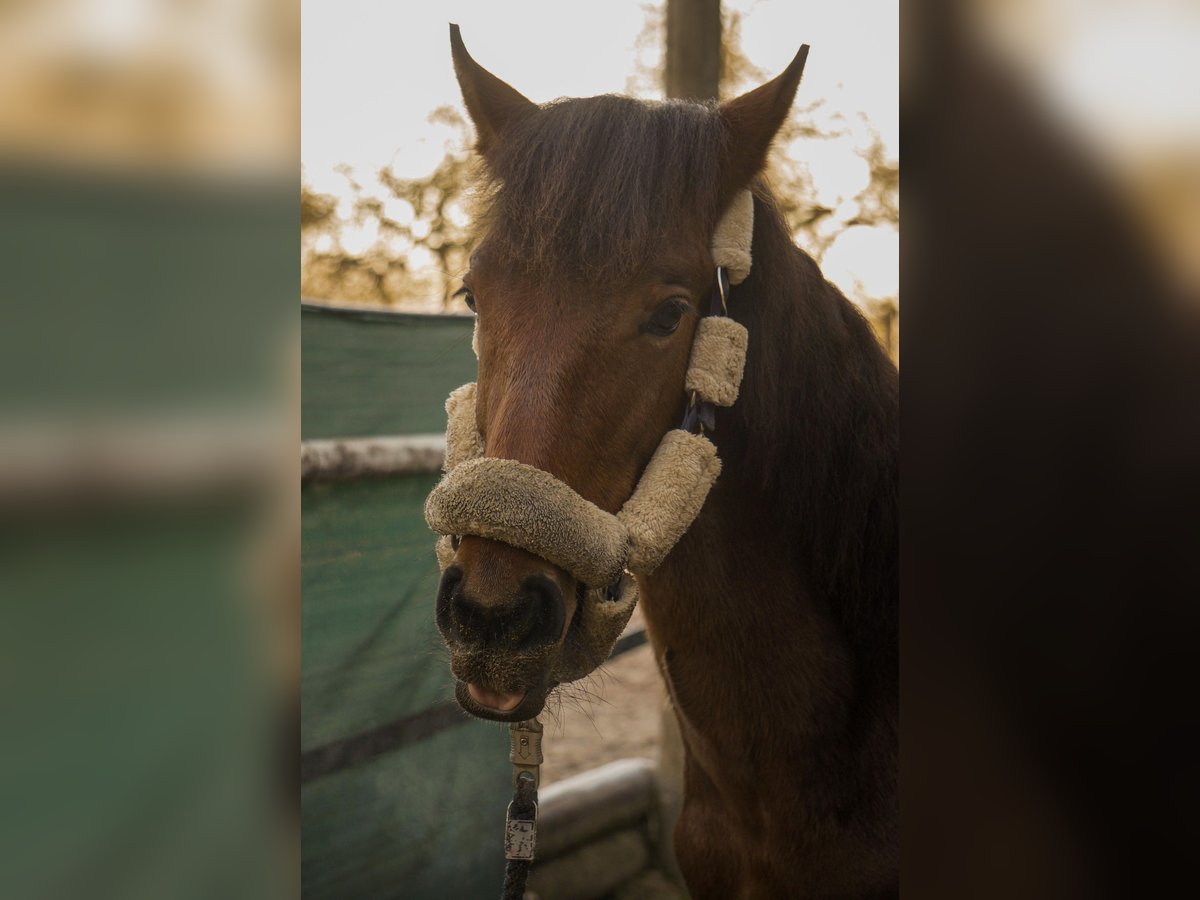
<point x="147" y="442"/>
<point x="1050" y="445"/>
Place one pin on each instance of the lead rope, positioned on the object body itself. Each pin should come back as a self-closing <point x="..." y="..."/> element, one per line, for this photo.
<point x="520" y="824"/>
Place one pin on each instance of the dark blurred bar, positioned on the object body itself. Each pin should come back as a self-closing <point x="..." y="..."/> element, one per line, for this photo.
<point x="1051" y="440"/>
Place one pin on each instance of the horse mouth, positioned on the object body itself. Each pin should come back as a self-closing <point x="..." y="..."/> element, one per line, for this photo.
<point x="497" y="706"/>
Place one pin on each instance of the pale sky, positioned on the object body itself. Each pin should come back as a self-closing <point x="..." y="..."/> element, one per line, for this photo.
<point x="1126" y="73"/>
<point x="373" y="70"/>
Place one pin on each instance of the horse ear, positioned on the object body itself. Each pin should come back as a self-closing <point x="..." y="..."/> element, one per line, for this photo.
<point x="753" y="119"/>
<point x="491" y="103"/>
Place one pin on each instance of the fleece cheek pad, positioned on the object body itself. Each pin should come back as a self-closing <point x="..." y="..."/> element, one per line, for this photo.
<point x="714" y="371"/>
<point x="463" y="440"/>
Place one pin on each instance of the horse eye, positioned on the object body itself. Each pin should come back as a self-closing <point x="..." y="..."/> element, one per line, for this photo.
<point x="468" y="297"/>
<point x="667" y="317"/>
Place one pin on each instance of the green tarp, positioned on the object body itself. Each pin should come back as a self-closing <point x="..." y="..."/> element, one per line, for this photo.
<point x="424" y="820"/>
<point x="379" y="373"/>
<point x="140" y="717"/>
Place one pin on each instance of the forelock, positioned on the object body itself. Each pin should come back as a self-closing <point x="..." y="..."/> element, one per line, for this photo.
<point x="592" y="189"/>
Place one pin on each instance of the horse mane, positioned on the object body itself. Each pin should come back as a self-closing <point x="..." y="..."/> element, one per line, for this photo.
<point x="815" y="430"/>
<point x="589" y="189"/>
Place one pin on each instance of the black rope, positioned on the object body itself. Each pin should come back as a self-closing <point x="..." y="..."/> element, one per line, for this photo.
<point x="515" y="874"/>
<point x="523" y="808"/>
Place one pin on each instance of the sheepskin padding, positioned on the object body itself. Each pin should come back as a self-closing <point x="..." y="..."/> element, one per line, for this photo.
<point x="520" y="505"/>
<point x="597" y="625"/>
<point x="668" y="497"/>
<point x="463" y="440"/>
<point x="733" y="236"/>
<point x="445" y="552"/>
<point x="718" y="360"/>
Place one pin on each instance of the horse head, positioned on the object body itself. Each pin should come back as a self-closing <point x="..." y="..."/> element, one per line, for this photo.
<point x="593" y="266"/>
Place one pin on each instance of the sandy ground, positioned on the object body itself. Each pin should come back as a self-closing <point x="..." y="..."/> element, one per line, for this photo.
<point x="615" y="714"/>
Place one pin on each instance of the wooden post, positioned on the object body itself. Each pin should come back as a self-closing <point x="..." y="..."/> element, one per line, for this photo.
<point x="693" y="70"/>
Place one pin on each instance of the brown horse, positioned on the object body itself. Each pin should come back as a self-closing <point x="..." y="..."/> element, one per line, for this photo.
<point x="774" y="619"/>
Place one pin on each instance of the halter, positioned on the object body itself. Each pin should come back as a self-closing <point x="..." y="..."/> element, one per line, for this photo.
<point x="526" y="507"/>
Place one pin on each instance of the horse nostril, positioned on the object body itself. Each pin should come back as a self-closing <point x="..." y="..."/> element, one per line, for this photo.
<point x="544" y="612"/>
<point x="448" y="587"/>
<point x="467" y="619"/>
<point x="535" y="619"/>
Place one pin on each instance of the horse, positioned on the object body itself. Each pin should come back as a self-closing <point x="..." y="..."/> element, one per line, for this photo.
<point x="774" y="619"/>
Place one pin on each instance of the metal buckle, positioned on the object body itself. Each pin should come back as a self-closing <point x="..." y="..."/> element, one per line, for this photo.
<point x="525" y="750"/>
<point x="520" y="834"/>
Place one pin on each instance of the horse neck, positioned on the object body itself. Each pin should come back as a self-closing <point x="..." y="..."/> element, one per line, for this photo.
<point x="777" y="610"/>
<point x="814" y="439"/>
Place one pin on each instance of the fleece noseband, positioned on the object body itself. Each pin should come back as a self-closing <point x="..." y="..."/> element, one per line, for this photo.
<point x="525" y="507"/>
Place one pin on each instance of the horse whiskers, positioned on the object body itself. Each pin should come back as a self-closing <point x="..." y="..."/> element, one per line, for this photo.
<point x="592" y="696"/>
<point x="604" y="674"/>
<point x="576" y="695"/>
<point x="555" y="712"/>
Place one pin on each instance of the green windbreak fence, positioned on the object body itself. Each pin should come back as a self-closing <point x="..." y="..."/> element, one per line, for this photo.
<point x="403" y="795"/>
<point x="367" y="373"/>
